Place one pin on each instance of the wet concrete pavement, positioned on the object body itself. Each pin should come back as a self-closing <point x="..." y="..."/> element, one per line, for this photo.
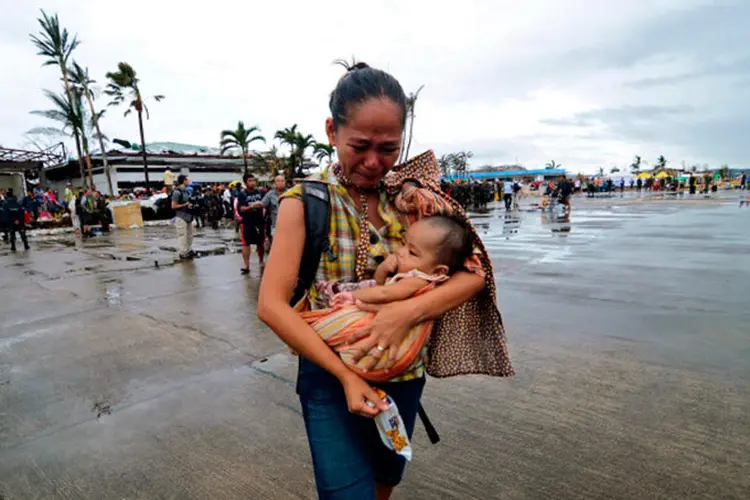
<point x="629" y="329"/>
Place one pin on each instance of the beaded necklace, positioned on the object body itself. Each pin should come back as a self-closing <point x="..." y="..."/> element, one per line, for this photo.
<point x="363" y="245"/>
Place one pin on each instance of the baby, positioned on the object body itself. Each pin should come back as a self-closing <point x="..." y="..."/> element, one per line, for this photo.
<point x="434" y="247"/>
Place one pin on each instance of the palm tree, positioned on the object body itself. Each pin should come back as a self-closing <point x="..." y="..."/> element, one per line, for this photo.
<point x="56" y="46"/>
<point x="552" y="165"/>
<point x="240" y="139"/>
<point x="80" y="78"/>
<point x="301" y="144"/>
<point x="635" y="167"/>
<point x="460" y="161"/>
<point x="72" y="118"/>
<point x="288" y="137"/>
<point x="446" y="164"/>
<point x="267" y="161"/>
<point x="123" y="84"/>
<point x="411" y="102"/>
<point x="324" y="152"/>
<point x="661" y="163"/>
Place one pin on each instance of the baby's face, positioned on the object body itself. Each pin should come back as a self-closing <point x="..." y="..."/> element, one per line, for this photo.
<point x="420" y="248"/>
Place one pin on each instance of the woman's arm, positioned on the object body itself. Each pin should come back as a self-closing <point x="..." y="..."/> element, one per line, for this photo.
<point x="276" y="290"/>
<point x="394" y="320"/>
<point x="279" y="280"/>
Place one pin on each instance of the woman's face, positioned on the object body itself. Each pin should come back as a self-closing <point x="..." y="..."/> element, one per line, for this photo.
<point x="369" y="143"/>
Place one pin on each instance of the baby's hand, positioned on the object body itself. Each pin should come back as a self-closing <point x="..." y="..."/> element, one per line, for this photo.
<point x="386" y="268"/>
<point x="342" y="299"/>
<point x="390" y="264"/>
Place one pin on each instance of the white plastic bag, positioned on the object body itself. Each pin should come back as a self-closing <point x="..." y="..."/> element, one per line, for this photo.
<point x="391" y="428"/>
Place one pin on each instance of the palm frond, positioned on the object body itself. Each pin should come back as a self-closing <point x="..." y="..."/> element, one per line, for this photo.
<point x="51" y="114"/>
<point x="51" y="131"/>
<point x="229" y="141"/>
<point x="96" y="136"/>
<point x="80" y="76"/>
<point x="52" y="42"/>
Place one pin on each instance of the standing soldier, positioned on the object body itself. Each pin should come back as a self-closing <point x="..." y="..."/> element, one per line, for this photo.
<point x="16" y="220"/>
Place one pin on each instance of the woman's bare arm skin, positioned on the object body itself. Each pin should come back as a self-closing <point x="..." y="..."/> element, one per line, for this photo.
<point x="276" y="290"/>
<point x="279" y="280"/>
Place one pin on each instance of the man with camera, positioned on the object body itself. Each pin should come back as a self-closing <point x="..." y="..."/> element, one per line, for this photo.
<point x="183" y="217"/>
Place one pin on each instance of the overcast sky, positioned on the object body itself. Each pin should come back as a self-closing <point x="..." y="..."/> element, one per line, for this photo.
<point x="587" y="83"/>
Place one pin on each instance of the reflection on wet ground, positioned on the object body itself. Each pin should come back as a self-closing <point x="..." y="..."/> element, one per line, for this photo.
<point x="124" y="374"/>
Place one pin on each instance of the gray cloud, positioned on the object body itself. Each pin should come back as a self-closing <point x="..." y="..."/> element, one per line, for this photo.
<point x="711" y="69"/>
<point x="702" y="33"/>
<point x="618" y="117"/>
<point x="586" y="86"/>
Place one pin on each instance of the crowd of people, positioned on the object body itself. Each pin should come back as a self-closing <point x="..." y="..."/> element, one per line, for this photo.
<point x="40" y="204"/>
<point x="251" y="208"/>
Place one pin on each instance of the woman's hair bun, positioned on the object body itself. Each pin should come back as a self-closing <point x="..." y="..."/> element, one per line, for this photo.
<point x="352" y="65"/>
<point x="358" y="65"/>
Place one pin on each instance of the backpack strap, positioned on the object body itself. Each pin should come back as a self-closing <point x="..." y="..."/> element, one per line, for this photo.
<point x="317" y="206"/>
<point x="432" y="433"/>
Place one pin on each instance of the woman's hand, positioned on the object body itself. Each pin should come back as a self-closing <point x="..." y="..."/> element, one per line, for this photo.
<point x="384" y="333"/>
<point x="358" y="393"/>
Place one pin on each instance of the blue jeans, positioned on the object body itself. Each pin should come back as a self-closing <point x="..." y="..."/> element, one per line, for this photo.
<point x="348" y="456"/>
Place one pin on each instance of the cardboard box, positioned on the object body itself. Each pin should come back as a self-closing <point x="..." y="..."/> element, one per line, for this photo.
<point x="127" y="215"/>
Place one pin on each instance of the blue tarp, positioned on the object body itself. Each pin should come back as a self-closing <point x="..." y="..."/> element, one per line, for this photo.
<point x="506" y="174"/>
